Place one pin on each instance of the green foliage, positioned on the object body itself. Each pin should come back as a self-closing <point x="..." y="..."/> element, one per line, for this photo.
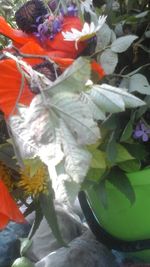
<point x="25" y="245"/>
<point x="87" y="130"/>
<point x="48" y="210"/>
<point x="119" y="179"/>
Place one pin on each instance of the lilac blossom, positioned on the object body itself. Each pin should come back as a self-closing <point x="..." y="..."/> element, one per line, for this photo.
<point x="71" y="11"/>
<point x="49" y="28"/>
<point x="142" y="132"/>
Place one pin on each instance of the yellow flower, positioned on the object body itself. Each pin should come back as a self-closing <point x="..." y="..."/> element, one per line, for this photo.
<point x="5" y="175"/>
<point x="34" y="184"/>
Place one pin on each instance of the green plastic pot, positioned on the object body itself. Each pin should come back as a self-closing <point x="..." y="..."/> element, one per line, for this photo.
<point x="121" y="219"/>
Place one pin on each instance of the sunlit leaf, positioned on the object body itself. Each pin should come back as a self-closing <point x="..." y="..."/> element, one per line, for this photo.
<point x="139" y="83"/>
<point x="77" y="159"/>
<point x="108" y="60"/>
<point x="123" y="154"/>
<point x="73" y="79"/>
<point x="98" y="158"/>
<point x="121" y="44"/>
<point x="95" y="174"/>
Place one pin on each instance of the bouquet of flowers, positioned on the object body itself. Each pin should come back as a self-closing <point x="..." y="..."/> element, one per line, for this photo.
<point x="75" y="97"/>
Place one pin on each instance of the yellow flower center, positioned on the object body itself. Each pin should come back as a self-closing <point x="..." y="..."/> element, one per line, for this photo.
<point x="34" y="184"/>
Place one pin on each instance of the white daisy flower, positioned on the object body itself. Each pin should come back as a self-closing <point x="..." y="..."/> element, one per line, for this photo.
<point x="88" y="31"/>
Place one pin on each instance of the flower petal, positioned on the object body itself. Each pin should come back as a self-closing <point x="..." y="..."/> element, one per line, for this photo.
<point x="138" y="133"/>
<point x="59" y="44"/>
<point x="9" y="210"/>
<point x="19" y="37"/>
<point x="145" y="137"/>
<point x="10" y="82"/>
<point x="98" y="69"/>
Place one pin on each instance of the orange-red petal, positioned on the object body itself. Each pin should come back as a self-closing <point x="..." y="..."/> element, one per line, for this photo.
<point x="17" y="36"/>
<point x="97" y="68"/>
<point x="10" y="82"/>
<point x="34" y="49"/>
<point x="9" y="210"/>
<point x="59" y="44"/>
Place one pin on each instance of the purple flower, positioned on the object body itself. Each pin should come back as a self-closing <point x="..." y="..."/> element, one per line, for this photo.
<point x="57" y="25"/>
<point x="72" y="10"/>
<point x="49" y="28"/>
<point x="141" y="132"/>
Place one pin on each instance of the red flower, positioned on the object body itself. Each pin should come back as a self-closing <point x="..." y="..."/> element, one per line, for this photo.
<point x="10" y="78"/>
<point x="58" y="46"/>
<point x="9" y="211"/>
<point x="10" y="81"/>
<point x="59" y="50"/>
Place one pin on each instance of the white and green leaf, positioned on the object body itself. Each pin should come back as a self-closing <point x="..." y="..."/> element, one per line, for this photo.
<point x="139" y="83"/>
<point x="73" y="78"/>
<point x="77" y="159"/>
<point x="108" y="60"/>
<point x="121" y="44"/>
<point x="113" y="99"/>
<point x="77" y="116"/>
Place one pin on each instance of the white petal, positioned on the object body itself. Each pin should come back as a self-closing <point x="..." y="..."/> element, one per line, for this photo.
<point x="92" y="27"/>
<point x="86" y="28"/>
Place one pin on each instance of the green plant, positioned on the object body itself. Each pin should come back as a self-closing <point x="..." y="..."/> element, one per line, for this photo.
<point x="83" y="123"/>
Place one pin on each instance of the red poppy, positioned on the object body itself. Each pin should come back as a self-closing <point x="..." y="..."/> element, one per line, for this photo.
<point x="10" y="82"/>
<point x="57" y="46"/>
<point x="9" y="211"/>
<point x="62" y="52"/>
<point x="10" y="78"/>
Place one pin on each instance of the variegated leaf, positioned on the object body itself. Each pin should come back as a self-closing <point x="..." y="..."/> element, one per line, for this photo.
<point x="77" y="159"/>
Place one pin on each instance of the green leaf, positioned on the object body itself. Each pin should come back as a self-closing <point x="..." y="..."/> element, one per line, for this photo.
<point x="127" y="131"/>
<point x="73" y="79"/>
<point x="98" y="158"/>
<point x="25" y="245"/>
<point x="34" y="165"/>
<point x="95" y="174"/>
<point x="122" y="154"/>
<point x="37" y="220"/>
<point x="121" y="44"/>
<point x="130" y="165"/>
<point x="48" y="209"/>
<point x="119" y="179"/>
<point x="111" y="122"/>
<point x="111" y="149"/>
<point x="140" y="111"/>
<point x="108" y="60"/>
<point x="139" y="83"/>
<point x="103" y="193"/>
<point x="138" y="151"/>
<point x="113" y="99"/>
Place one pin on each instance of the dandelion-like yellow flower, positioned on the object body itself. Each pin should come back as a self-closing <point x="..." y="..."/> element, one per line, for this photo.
<point x="5" y="175"/>
<point x="35" y="184"/>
